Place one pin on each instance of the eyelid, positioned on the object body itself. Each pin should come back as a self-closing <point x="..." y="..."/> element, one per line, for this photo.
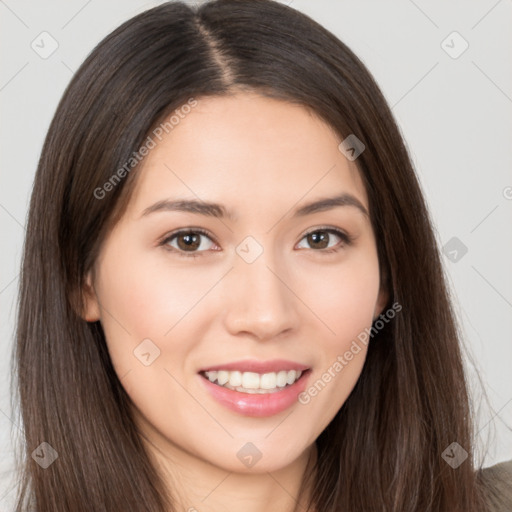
<point x="190" y="229"/>
<point x="346" y="237"/>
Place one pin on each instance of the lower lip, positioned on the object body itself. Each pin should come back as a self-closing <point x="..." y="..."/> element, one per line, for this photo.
<point x="257" y="405"/>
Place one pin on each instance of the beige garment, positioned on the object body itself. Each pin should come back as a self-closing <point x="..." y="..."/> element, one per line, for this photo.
<point x="498" y="480"/>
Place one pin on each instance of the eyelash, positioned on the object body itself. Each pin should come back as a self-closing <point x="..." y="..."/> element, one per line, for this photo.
<point x="346" y="240"/>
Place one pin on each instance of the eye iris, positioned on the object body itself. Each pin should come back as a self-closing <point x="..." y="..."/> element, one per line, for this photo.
<point x="192" y="241"/>
<point x="319" y="236"/>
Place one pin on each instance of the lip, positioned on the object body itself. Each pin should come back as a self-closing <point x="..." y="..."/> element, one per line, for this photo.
<point x="257" y="405"/>
<point x="253" y="365"/>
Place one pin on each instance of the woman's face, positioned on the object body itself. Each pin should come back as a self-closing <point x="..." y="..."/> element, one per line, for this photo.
<point x="269" y="287"/>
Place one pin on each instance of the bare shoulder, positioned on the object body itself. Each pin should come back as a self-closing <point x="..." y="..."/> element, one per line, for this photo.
<point x="497" y="480"/>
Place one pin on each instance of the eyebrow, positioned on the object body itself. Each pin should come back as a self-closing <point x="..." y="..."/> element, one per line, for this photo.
<point x="219" y="211"/>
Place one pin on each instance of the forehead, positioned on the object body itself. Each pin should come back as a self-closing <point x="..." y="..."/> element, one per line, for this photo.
<point x="246" y="151"/>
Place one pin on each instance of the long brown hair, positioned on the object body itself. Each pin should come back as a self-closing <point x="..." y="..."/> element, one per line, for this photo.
<point x="383" y="450"/>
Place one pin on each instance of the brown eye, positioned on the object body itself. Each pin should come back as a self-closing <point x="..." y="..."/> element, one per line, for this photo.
<point x="189" y="242"/>
<point x="318" y="239"/>
<point x="322" y="239"/>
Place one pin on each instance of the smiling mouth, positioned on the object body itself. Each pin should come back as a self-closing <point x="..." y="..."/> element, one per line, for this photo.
<point x="252" y="382"/>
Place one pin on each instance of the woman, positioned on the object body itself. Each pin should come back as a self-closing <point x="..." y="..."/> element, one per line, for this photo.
<point x="231" y="292"/>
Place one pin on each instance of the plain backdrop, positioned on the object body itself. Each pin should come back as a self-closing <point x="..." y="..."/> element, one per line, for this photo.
<point x="446" y="70"/>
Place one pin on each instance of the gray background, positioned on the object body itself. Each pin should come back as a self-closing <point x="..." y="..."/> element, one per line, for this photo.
<point x="454" y="112"/>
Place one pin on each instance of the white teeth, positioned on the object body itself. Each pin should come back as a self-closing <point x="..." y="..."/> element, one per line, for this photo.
<point x="212" y="376"/>
<point x="281" y="379"/>
<point x="291" y="376"/>
<point x="222" y="377"/>
<point x="251" y="382"/>
<point x="268" y="381"/>
<point x="235" y="379"/>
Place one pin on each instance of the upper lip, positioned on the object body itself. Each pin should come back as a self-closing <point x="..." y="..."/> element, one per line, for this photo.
<point x="256" y="366"/>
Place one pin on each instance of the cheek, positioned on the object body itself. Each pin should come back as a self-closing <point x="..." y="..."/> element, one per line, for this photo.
<point x="147" y="295"/>
<point x="344" y="298"/>
<point x="140" y="307"/>
<point x="150" y="306"/>
<point x="345" y="305"/>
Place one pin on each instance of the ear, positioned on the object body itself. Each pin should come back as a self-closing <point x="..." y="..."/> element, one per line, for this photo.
<point x="383" y="297"/>
<point x="91" y="309"/>
<point x="382" y="300"/>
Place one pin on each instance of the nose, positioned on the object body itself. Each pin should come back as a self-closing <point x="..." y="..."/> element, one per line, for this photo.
<point x="259" y="299"/>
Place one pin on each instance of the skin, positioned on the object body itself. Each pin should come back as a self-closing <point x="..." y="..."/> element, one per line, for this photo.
<point x="261" y="158"/>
